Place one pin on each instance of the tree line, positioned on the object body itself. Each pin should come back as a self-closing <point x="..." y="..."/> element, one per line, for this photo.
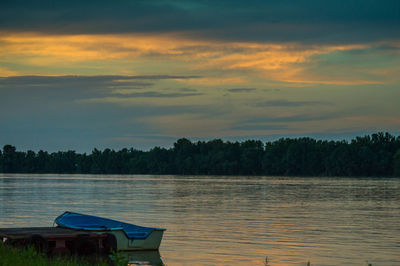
<point x="371" y="155"/>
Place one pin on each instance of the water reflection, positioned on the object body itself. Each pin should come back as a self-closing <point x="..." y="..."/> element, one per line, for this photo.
<point x="227" y="220"/>
<point x="143" y="258"/>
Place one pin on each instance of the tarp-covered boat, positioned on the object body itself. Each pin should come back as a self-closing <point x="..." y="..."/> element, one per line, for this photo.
<point x="129" y="236"/>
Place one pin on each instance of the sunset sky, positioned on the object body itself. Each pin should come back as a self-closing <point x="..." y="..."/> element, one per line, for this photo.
<point x="75" y="75"/>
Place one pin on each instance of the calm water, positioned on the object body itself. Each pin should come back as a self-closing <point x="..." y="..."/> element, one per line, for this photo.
<point x="226" y="220"/>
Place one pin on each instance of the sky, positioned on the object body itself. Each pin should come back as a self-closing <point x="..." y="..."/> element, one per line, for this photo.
<point x="75" y="75"/>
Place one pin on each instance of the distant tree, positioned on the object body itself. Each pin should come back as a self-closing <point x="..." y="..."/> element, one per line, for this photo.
<point x="96" y="162"/>
<point x="183" y="151"/>
<point x="274" y="161"/>
<point x="159" y="161"/>
<point x="372" y="155"/>
<point x="64" y="162"/>
<point x="83" y="163"/>
<point x="138" y="163"/>
<point x="252" y="152"/>
<point x="43" y="162"/>
<point x="30" y="162"/>
<point x="340" y="161"/>
<point x="396" y="163"/>
<point x="9" y="159"/>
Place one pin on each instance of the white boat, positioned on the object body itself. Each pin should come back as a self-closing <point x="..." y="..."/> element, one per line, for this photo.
<point x="129" y="237"/>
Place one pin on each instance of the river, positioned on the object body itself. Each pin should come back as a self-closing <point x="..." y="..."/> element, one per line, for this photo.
<point x="220" y="220"/>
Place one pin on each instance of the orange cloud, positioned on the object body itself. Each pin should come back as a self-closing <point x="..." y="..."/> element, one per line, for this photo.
<point x="218" y="81"/>
<point x="6" y="72"/>
<point x="221" y="62"/>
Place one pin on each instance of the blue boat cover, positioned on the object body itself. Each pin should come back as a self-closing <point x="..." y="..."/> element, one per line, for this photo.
<point x="88" y="222"/>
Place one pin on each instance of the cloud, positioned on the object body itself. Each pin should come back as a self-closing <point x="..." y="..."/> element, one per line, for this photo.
<point x="155" y="94"/>
<point x="282" y="124"/>
<point x="188" y="90"/>
<point x="83" y="112"/>
<point x="242" y="90"/>
<point x="224" y="63"/>
<point x="260" y="21"/>
<point x="262" y="120"/>
<point x="260" y="127"/>
<point x="286" y="103"/>
<point x="87" y="82"/>
<point x="59" y="112"/>
<point x="7" y="72"/>
<point x="59" y="94"/>
<point x="36" y="79"/>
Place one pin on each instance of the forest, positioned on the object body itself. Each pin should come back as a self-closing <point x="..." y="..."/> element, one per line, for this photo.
<point x="371" y="155"/>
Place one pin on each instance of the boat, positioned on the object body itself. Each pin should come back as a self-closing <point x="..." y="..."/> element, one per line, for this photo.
<point x="129" y="237"/>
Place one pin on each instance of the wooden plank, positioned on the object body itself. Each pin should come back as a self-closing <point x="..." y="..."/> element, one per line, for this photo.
<point x="18" y="233"/>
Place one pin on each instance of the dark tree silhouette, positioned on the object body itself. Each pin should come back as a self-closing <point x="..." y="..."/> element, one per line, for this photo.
<point x="396" y="163"/>
<point x="372" y="155"/>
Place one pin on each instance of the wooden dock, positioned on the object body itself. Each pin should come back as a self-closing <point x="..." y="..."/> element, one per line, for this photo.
<point x="57" y="240"/>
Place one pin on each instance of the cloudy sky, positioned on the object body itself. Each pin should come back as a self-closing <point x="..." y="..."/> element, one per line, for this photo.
<point x="84" y="74"/>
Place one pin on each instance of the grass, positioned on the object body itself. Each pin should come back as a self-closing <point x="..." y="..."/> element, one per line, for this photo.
<point x="10" y="256"/>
